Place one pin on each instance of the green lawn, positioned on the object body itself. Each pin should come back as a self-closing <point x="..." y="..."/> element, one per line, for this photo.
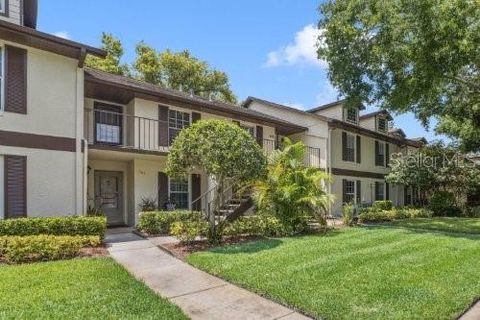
<point x="462" y="225"/>
<point x="358" y="273"/>
<point x="78" y="289"/>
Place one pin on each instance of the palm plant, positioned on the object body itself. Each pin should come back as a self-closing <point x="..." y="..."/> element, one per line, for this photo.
<point x="290" y="190"/>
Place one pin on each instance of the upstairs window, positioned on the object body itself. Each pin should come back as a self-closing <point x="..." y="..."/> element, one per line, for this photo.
<point x="382" y="125"/>
<point x="380" y="153"/>
<point x="351" y="115"/>
<point x="350" y="148"/>
<point x="177" y="120"/>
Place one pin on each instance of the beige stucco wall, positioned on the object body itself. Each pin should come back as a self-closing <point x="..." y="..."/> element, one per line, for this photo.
<point x="368" y="123"/>
<point x="335" y="112"/>
<point x="50" y="181"/>
<point x="14" y="14"/>
<point x="317" y="134"/>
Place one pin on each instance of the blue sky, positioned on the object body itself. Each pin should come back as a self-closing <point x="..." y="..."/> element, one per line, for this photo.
<point x="266" y="46"/>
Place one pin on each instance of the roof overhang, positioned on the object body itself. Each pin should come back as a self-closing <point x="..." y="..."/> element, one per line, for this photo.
<point x="123" y="93"/>
<point x="337" y="124"/>
<point x="43" y="41"/>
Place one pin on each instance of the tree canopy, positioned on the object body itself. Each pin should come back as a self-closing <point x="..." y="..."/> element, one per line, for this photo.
<point x="112" y="62"/>
<point x="419" y="56"/>
<point x="175" y="70"/>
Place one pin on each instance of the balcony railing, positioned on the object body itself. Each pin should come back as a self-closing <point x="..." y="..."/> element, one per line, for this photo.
<point x="312" y="155"/>
<point x="125" y="131"/>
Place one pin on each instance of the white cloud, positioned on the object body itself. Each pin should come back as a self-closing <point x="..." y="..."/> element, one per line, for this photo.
<point x="62" y="34"/>
<point x="327" y="93"/>
<point x="302" y="51"/>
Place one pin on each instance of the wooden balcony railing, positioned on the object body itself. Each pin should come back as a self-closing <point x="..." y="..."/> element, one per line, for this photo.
<point x="125" y="131"/>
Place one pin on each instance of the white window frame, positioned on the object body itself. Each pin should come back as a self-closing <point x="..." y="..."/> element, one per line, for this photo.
<point x="378" y="125"/>
<point x="2" y="78"/>
<point x="347" y="113"/>
<point x="4" y="6"/>
<point x="176" y="128"/>
<point x="354" y="137"/>
<point x="354" y="194"/>
<point x="188" y="193"/>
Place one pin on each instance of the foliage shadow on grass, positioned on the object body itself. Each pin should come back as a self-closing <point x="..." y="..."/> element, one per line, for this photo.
<point x="420" y="230"/>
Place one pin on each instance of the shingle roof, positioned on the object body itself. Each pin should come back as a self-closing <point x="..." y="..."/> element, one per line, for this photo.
<point x="98" y="76"/>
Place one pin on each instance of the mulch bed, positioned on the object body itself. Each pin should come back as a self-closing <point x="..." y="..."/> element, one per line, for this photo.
<point x="181" y="251"/>
<point x="93" y="252"/>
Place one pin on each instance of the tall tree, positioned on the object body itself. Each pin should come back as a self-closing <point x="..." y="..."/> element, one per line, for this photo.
<point x="182" y="71"/>
<point x="420" y="56"/>
<point x="112" y="62"/>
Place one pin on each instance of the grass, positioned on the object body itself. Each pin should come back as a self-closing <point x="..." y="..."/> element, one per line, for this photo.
<point x="358" y="273"/>
<point x="78" y="289"/>
<point x="460" y="225"/>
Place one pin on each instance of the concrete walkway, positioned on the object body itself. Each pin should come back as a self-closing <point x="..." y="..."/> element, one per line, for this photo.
<point x="198" y="294"/>
<point x="473" y="313"/>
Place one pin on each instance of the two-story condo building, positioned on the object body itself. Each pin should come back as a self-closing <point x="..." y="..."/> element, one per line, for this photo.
<point x="355" y="149"/>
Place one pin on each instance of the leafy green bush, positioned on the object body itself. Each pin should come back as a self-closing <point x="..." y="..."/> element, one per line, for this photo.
<point x="373" y="215"/>
<point x="443" y="203"/>
<point x="259" y="225"/>
<point x="19" y="249"/>
<point x="347" y="214"/>
<point x="58" y="226"/>
<point x="160" y="222"/>
<point x="472" y="212"/>
<point x="186" y="231"/>
<point x="382" y="205"/>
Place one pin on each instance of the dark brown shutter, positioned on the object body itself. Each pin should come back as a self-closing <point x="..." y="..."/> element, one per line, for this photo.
<point x="163" y="126"/>
<point x="387" y="154"/>
<point x="344" y="146"/>
<point x="15" y="80"/>
<point x="259" y="134"/>
<point x="196" y="192"/>
<point x="344" y="191"/>
<point x="196" y="116"/>
<point x="15" y="186"/>
<point x="377" y="187"/>
<point x="387" y="191"/>
<point x="162" y="189"/>
<point x="359" y="191"/>
<point x="377" y="151"/>
<point x="359" y="150"/>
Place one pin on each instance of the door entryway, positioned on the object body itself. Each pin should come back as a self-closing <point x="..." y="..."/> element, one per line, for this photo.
<point x="109" y="196"/>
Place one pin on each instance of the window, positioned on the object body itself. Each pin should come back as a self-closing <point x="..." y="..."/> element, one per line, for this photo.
<point x="108" y="124"/>
<point x="380" y="156"/>
<point x="249" y="129"/>
<point x="382" y="124"/>
<point x="379" y="191"/>
<point x="3" y="6"/>
<point x="350" y="148"/>
<point x="177" y="120"/>
<point x="2" y="81"/>
<point x="349" y="196"/>
<point x="179" y="193"/>
<point x="351" y="115"/>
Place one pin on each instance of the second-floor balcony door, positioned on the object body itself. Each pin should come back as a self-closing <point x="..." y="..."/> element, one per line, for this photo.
<point x="108" y="124"/>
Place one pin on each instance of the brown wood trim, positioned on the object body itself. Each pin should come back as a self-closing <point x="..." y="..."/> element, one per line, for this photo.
<point x="7" y="9"/>
<point x="107" y="147"/>
<point x="36" y="141"/>
<point x="335" y="124"/>
<point x="359" y="174"/>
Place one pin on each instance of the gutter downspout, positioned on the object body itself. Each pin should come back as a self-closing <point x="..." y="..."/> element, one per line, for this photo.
<point x="329" y="165"/>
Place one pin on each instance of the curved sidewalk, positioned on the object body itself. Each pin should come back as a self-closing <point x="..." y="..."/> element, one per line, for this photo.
<point x="199" y="294"/>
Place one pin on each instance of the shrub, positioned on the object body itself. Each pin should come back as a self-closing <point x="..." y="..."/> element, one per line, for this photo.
<point x="186" y="231"/>
<point x="382" y="205"/>
<point x="373" y="215"/>
<point x="160" y="222"/>
<point x="58" y="226"/>
<point x="147" y="204"/>
<point x="347" y="214"/>
<point x="442" y="203"/>
<point x="472" y="212"/>
<point x="18" y="249"/>
<point x="259" y="225"/>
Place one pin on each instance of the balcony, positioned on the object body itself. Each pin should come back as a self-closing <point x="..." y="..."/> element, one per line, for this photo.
<point x="120" y="130"/>
<point x="312" y="155"/>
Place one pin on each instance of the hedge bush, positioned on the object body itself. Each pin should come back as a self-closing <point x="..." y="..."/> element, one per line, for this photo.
<point x="186" y="231"/>
<point x="58" y="226"/>
<point x="160" y="222"/>
<point x="260" y="225"/>
<point x="374" y="215"/>
<point x="19" y="249"/>
<point x="347" y="214"/>
<point x="382" y="205"/>
<point x="443" y="204"/>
